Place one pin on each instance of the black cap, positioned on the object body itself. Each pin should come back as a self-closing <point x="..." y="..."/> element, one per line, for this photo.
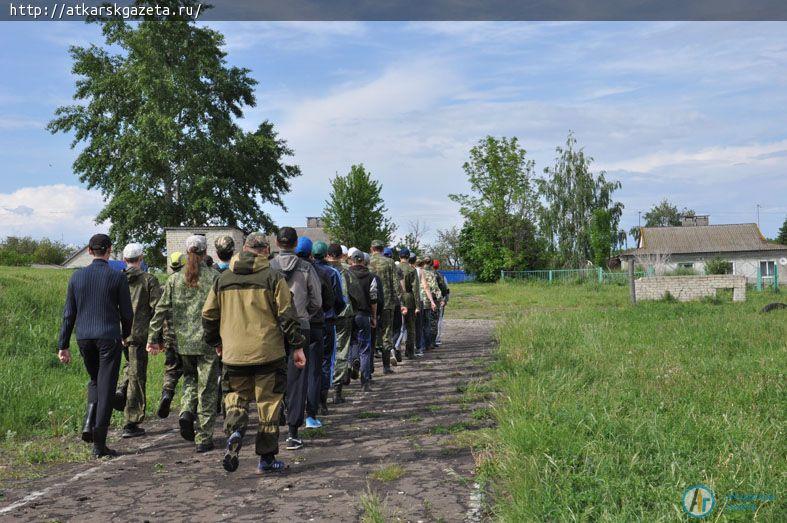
<point x="335" y="250"/>
<point x="99" y="242"/>
<point x="413" y="257"/>
<point x="287" y="236"/>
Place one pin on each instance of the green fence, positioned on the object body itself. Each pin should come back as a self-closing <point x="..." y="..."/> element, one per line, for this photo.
<point x="771" y="280"/>
<point x="589" y="275"/>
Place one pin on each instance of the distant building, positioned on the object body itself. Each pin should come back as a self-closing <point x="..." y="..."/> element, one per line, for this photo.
<point x="82" y="258"/>
<point x="314" y="230"/>
<point x="693" y="220"/>
<point x="176" y="238"/>
<point x="691" y="247"/>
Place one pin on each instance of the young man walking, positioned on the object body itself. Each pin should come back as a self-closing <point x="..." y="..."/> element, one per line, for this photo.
<point x="307" y="298"/>
<point x="409" y="306"/>
<point x="365" y="319"/>
<point x="145" y="294"/>
<point x="345" y="319"/>
<point x="385" y="269"/>
<point x="98" y="304"/>
<point x="173" y="367"/>
<point x="247" y="317"/>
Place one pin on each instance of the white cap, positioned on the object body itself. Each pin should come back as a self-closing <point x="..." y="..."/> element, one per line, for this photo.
<point x="132" y="250"/>
<point x="196" y="243"/>
<point x="352" y="251"/>
<point x="345" y="252"/>
<point x="366" y="257"/>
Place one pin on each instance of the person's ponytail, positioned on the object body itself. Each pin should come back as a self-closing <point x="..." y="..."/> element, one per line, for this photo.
<point x="191" y="272"/>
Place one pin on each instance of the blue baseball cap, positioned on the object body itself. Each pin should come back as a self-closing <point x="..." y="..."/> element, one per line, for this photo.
<point x="404" y="252"/>
<point x="388" y="252"/>
<point x="304" y="247"/>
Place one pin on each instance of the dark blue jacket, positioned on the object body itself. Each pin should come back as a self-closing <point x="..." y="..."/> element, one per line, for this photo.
<point x="325" y="271"/>
<point x="98" y="303"/>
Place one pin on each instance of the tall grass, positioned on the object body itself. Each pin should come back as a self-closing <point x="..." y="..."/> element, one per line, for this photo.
<point x="38" y="395"/>
<point x="608" y="411"/>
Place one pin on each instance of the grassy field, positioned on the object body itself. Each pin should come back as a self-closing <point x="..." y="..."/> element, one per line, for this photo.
<point x="607" y="412"/>
<point x="42" y="401"/>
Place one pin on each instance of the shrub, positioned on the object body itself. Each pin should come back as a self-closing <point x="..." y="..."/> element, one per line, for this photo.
<point x="718" y="266"/>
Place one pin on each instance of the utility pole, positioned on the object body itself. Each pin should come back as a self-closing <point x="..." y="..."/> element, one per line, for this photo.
<point x="758" y="215"/>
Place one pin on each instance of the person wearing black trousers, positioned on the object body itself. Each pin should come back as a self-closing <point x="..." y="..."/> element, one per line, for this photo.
<point x="98" y="304"/>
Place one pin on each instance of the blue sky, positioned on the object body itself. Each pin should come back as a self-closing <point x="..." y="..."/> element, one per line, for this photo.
<point x="694" y="112"/>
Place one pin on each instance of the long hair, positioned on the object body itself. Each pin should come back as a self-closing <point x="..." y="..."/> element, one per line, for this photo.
<point x="191" y="273"/>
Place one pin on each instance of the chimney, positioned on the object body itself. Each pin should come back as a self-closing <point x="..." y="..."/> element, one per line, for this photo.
<point x="314" y="222"/>
<point x="694" y="220"/>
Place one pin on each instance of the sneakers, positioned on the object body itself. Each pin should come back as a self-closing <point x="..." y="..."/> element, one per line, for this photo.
<point x="392" y="358"/>
<point x="132" y="430"/>
<point x="186" y="422"/>
<point x="163" y="406"/>
<point x="338" y="399"/>
<point x="355" y="370"/>
<point x="294" y="443"/>
<point x="313" y="423"/>
<point x="205" y="447"/>
<point x="234" y="443"/>
<point x="388" y="370"/>
<point x="397" y="355"/>
<point x="419" y="354"/>
<point x="265" y="467"/>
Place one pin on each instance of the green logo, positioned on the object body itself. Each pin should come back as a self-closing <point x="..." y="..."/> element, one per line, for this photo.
<point x="698" y="501"/>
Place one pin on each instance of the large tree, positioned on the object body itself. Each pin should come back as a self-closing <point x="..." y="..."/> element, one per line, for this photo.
<point x="663" y="214"/>
<point x="355" y="212"/>
<point x="572" y="194"/>
<point x="156" y="109"/>
<point x="499" y="231"/>
<point x="782" y="237"/>
<point x="447" y="248"/>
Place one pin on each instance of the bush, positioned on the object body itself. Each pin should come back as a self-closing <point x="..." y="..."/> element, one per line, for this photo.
<point x="718" y="266"/>
<point x="16" y="251"/>
<point x="682" y="271"/>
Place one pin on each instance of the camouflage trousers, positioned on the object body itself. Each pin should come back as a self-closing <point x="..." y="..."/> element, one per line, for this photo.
<point x="173" y="369"/>
<point x="384" y="336"/>
<point x="133" y="379"/>
<point x="263" y="384"/>
<point x="408" y="326"/>
<point x="344" y="337"/>
<point x="200" y="388"/>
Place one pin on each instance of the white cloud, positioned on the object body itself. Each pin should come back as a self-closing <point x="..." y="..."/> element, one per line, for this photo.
<point x="55" y="211"/>
<point x="286" y="36"/>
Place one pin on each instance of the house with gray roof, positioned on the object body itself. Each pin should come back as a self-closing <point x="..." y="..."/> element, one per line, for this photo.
<point x="690" y="247"/>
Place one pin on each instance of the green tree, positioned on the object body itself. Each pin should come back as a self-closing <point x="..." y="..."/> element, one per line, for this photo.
<point x="22" y="251"/>
<point x="782" y="237"/>
<point x="602" y="237"/>
<point x="571" y="195"/>
<point x="664" y="214"/>
<point x="448" y="248"/>
<point x="499" y="232"/>
<point x="157" y="110"/>
<point x="355" y="212"/>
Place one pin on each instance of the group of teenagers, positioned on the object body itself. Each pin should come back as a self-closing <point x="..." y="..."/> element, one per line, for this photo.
<point x="280" y="330"/>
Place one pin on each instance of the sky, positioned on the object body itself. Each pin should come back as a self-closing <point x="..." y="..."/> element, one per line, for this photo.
<point x="694" y="112"/>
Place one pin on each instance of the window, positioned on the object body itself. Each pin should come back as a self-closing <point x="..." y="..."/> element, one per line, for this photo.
<point x="767" y="268"/>
<point x="686" y="265"/>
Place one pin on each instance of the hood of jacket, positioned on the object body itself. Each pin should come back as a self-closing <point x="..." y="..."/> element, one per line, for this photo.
<point x="360" y="270"/>
<point x="133" y="274"/>
<point x="248" y="263"/>
<point x="287" y="260"/>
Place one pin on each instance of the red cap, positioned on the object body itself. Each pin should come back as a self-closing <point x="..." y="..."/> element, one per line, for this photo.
<point x="436" y="264"/>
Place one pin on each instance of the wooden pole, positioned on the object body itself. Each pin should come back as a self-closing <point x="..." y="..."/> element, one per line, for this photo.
<point x="632" y="290"/>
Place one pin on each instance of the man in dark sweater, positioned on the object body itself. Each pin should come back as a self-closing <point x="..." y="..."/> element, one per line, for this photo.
<point x="98" y="303"/>
<point x="365" y="319"/>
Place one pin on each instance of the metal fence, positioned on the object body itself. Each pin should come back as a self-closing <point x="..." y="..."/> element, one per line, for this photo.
<point x="760" y="278"/>
<point x="457" y="276"/>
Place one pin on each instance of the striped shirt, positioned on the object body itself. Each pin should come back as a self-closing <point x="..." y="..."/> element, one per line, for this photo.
<point x="98" y="302"/>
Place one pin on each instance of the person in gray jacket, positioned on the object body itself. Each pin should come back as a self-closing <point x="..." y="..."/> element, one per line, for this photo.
<point x="306" y="295"/>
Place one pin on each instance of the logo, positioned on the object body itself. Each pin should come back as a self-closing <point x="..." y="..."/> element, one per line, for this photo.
<point x="698" y="501"/>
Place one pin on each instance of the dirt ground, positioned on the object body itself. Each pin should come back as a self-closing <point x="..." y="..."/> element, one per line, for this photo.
<point x="408" y="420"/>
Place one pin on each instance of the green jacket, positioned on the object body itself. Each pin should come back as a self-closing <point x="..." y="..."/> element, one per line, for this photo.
<point x="431" y="281"/>
<point x="145" y="293"/>
<point x="385" y="268"/>
<point x="182" y="306"/>
<point x="351" y="289"/>
<point x="411" y="287"/>
<point x="250" y="313"/>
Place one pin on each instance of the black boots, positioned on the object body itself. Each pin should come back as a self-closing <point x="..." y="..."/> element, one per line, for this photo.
<point x="90" y="420"/>
<point x="119" y="400"/>
<point x="324" y="402"/>
<point x="186" y="423"/>
<point x="100" y="448"/>
<point x="132" y="430"/>
<point x="163" y="406"/>
<point x="337" y="395"/>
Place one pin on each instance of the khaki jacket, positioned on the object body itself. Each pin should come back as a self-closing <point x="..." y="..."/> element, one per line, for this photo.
<point x="250" y="313"/>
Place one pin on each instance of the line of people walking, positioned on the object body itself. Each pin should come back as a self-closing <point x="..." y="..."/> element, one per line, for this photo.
<point x="277" y="330"/>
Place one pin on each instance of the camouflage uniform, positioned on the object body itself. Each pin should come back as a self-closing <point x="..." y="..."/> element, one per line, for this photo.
<point x="173" y="369"/>
<point x="344" y="324"/>
<point x="385" y="269"/>
<point x="432" y="316"/>
<point x="182" y="305"/>
<point x="145" y="293"/>
<point x="411" y="289"/>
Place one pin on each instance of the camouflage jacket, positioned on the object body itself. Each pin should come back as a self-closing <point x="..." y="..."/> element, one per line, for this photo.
<point x="351" y="289"/>
<point x="145" y="293"/>
<point x="431" y="281"/>
<point x="411" y="287"/>
<point x="182" y="306"/>
<point x="385" y="268"/>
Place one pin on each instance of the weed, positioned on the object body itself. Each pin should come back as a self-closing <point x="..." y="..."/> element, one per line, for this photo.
<point x="374" y="510"/>
<point x="388" y="473"/>
<point x="369" y="415"/>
